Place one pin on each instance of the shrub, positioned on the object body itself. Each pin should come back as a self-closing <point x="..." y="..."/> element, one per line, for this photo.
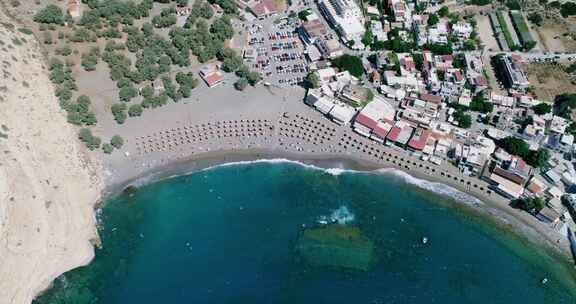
<point x="135" y="110"/>
<point x="51" y="14"/>
<point x="26" y="31"/>
<point x="107" y="148"/>
<point x="117" y="141"/>
<point x="542" y="108"/>
<point x="241" y="84"/>
<point x="119" y="112"/>
<point x="531" y="205"/>
<point x="349" y="63"/>
<point x="92" y="142"/>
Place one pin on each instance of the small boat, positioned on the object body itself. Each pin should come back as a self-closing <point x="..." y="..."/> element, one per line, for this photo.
<point x="424" y="240"/>
<point x="544" y="280"/>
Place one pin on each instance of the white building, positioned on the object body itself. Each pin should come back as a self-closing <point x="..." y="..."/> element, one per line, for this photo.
<point x="462" y="29"/>
<point x="347" y="17"/>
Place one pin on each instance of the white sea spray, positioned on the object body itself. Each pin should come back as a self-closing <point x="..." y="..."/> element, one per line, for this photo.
<point x="435" y="187"/>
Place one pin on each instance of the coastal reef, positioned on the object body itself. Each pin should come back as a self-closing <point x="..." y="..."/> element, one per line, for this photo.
<point x="337" y="246"/>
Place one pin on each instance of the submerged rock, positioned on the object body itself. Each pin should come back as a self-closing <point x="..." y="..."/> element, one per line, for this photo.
<point x="130" y="190"/>
<point x="335" y="245"/>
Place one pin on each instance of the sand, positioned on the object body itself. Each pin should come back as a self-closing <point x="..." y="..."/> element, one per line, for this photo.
<point x="48" y="185"/>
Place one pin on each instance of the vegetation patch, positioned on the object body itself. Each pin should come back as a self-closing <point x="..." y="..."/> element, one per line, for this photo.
<point x="336" y="246"/>
<point x="506" y="31"/>
<point x="522" y="29"/>
<point x="26" y="31"/>
<point x="349" y="63"/>
<point x="519" y="147"/>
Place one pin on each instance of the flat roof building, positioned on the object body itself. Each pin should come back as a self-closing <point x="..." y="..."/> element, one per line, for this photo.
<point x="347" y="17"/>
<point x="516" y="79"/>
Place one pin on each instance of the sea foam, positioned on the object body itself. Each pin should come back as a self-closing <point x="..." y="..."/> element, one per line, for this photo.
<point x="331" y="171"/>
<point x="435" y="187"/>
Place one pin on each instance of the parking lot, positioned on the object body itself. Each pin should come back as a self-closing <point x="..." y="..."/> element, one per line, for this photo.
<point x="277" y="52"/>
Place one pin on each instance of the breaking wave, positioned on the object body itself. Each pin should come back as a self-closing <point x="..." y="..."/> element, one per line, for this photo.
<point x="331" y="171"/>
<point x="435" y="187"/>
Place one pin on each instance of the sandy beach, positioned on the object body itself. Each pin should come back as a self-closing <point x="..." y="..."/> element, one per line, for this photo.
<point x="220" y="125"/>
<point x="48" y="185"/>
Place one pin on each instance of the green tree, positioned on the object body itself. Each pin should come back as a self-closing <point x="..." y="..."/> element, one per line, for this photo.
<point x="536" y="18"/>
<point x="571" y="129"/>
<point x="147" y="91"/>
<point x="368" y="38"/>
<point x="312" y="80"/>
<point x="530" y="205"/>
<point x="464" y="120"/>
<point x="232" y="63"/>
<point x="242" y="71"/>
<point x="469" y="45"/>
<point x="92" y="142"/>
<point x="542" y="108"/>
<point x="116" y="141"/>
<point x="127" y="93"/>
<point x="433" y="19"/>
<point x="253" y="78"/>
<point x="63" y="51"/>
<point x="568" y="9"/>
<point x="51" y="14"/>
<point x="119" y="112"/>
<point x="201" y="9"/>
<point x="222" y="28"/>
<point x="135" y="110"/>
<point x="443" y="11"/>
<point x="564" y="104"/>
<point x="241" y="84"/>
<point x="89" y="61"/>
<point x="107" y="148"/>
<point x="349" y="63"/>
<point x="538" y="158"/>
<point x="515" y="146"/>
<point x="479" y="104"/>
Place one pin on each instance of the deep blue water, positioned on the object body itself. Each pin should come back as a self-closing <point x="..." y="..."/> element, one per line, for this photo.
<point x="227" y="234"/>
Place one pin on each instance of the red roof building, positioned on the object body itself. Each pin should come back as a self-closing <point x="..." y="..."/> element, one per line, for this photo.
<point x="435" y="99"/>
<point x="265" y="8"/>
<point x="419" y="139"/>
<point x="366" y="121"/>
<point x="458" y="77"/>
<point x="381" y="130"/>
<point x="480" y="81"/>
<point x="211" y="75"/>
<point x="393" y="134"/>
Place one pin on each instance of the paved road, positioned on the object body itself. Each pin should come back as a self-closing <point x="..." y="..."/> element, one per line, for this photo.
<point x="541" y="56"/>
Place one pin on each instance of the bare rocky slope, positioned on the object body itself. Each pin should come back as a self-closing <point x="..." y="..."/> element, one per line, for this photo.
<point x="48" y="185"/>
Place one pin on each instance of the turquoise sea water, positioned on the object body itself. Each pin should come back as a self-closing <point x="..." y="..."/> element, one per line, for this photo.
<point x="227" y="235"/>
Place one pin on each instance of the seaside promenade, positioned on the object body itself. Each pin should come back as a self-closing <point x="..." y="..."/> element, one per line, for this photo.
<point x="263" y="123"/>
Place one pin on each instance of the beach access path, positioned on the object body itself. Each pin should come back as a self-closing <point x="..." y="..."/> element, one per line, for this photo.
<point x="223" y="124"/>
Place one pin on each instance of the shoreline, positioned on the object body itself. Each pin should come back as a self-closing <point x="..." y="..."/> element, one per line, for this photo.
<point x="492" y="208"/>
